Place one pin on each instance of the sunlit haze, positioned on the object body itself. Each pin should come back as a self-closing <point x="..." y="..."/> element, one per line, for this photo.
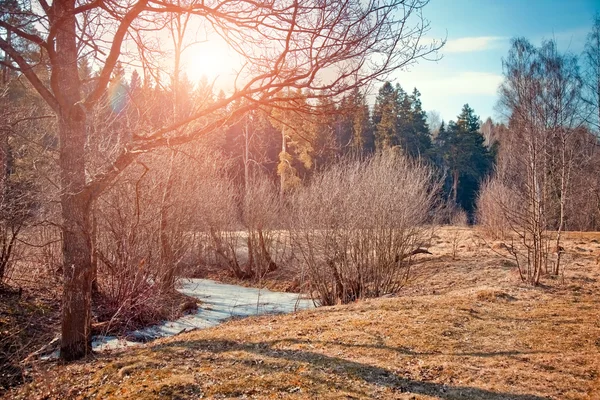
<point x="213" y="59"/>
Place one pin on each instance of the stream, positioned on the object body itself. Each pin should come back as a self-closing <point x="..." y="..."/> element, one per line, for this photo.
<point x="218" y="303"/>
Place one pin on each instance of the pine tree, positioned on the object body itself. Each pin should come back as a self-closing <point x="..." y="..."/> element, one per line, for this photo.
<point x="463" y="154"/>
<point x="385" y="117"/>
<point x="117" y="90"/>
<point x="399" y="120"/>
<point x="135" y="84"/>
<point x="327" y="125"/>
<point x="363" y="139"/>
<point x="420" y="128"/>
<point x="343" y="125"/>
<point x="296" y="140"/>
<point x="413" y="133"/>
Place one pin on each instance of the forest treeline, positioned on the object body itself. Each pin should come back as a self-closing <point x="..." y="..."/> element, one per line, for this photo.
<point x="289" y="145"/>
<point x="293" y="143"/>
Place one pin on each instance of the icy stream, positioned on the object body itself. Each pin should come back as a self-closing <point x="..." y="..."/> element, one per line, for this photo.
<point x="219" y="302"/>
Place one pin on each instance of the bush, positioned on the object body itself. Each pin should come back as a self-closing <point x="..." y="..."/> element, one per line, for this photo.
<point x="495" y="199"/>
<point x="266" y="242"/>
<point x="127" y="248"/>
<point x="219" y="222"/>
<point x="356" y="225"/>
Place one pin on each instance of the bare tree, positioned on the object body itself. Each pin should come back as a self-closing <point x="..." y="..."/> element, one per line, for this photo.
<point x="434" y="121"/>
<point x="18" y="193"/>
<point x="285" y="44"/>
<point x="541" y="94"/>
<point x="591" y="63"/>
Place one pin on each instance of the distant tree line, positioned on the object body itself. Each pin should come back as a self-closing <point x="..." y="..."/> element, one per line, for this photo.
<point x="296" y="146"/>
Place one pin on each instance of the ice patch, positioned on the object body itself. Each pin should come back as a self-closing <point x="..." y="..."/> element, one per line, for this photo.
<point x="219" y="302"/>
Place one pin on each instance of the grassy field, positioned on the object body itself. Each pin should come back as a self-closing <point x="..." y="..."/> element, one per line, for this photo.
<point x="464" y="328"/>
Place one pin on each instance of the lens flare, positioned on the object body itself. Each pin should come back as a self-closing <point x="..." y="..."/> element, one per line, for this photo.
<point x="117" y="95"/>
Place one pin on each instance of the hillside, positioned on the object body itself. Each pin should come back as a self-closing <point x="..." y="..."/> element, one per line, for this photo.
<point x="464" y="328"/>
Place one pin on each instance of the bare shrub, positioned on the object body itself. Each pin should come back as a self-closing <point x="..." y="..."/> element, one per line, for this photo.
<point x="16" y="213"/>
<point x="459" y="218"/>
<point x="128" y="249"/>
<point x="505" y="212"/>
<point x="213" y="219"/>
<point x="234" y="227"/>
<point x="41" y="259"/>
<point x="266" y="242"/>
<point x="143" y="213"/>
<point x="357" y="224"/>
<point x="456" y="240"/>
<point x="220" y="222"/>
<point x="493" y="198"/>
<point x="9" y="233"/>
<point x="449" y="213"/>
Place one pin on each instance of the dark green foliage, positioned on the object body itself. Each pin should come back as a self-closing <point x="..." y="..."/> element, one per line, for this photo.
<point x="385" y="117"/>
<point x="264" y="145"/>
<point x="415" y="137"/>
<point x="330" y="129"/>
<point x="363" y="139"/>
<point x="461" y="152"/>
<point x="399" y="120"/>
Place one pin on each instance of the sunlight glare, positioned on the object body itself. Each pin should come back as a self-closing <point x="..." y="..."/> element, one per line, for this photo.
<point x="213" y="59"/>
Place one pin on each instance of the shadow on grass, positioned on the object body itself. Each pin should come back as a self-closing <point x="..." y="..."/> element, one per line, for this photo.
<point x="409" y="352"/>
<point x="350" y="370"/>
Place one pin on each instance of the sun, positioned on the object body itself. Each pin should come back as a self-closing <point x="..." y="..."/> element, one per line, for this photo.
<point x="213" y="59"/>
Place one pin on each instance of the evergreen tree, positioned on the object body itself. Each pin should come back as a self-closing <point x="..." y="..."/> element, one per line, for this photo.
<point x="343" y="125"/>
<point x="421" y="131"/>
<point x="399" y="120"/>
<point x="462" y="153"/>
<point x="414" y="135"/>
<point x="135" y="84"/>
<point x="327" y="126"/>
<point x="404" y="121"/>
<point x="296" y="140"/>
<point x="117" y="90"/>
<point x="363" y="139"/>
<point x="385" y="117"/>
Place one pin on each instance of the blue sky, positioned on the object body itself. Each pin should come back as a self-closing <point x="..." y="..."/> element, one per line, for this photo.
<point x="478" y="36"/>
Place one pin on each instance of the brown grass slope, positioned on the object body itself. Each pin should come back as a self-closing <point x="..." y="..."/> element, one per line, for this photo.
<point x="465" y="328"/>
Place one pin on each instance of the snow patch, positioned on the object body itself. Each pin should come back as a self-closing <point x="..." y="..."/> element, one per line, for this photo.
<point x="219" y="302"/>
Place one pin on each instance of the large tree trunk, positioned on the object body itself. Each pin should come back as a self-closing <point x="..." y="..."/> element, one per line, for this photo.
<point x="77" y="267"/>
<point x="75" y="201"/>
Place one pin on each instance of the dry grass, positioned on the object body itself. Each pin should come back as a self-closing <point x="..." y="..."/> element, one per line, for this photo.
<point x="28" y="320"/>
<point x="464" y="329"/>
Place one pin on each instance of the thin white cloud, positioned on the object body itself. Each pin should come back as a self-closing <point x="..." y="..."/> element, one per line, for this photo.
<point x="472" y="44"/>
<point x="471" y="83"/>
<point x="468" y="82"/>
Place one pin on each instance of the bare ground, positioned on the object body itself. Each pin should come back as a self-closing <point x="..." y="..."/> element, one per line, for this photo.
<point x="463" y="328"/>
